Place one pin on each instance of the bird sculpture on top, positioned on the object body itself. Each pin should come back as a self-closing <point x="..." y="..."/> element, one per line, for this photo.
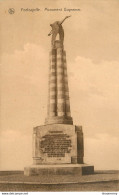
<point x="57" y="29"/>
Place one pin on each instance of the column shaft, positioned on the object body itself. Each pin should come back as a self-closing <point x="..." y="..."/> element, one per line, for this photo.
<point x="52" y="85"/>
<point x="58" y="94"/>
<point x="60" y="84"/>
<point x="67" y="102"/>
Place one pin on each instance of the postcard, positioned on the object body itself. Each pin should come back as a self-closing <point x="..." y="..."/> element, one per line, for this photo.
<point x="59" y="95"/>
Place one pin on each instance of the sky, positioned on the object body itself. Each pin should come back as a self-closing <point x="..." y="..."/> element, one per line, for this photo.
<point x="92" y="45"/>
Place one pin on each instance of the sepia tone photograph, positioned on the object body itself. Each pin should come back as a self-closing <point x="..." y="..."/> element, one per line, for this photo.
<point x="59" y="124"/>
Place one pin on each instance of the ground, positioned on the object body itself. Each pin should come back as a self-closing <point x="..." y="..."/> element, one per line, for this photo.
<point x="99" y="181"/>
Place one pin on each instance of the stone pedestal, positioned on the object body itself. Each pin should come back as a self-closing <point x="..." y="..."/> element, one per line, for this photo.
<point x="57" y="144"/>
<point x="58" y="149"/>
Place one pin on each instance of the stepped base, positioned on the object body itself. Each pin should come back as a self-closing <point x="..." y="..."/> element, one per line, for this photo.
<point x="61" y="169"/>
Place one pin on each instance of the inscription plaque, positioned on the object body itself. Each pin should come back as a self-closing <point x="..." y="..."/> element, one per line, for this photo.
<point x="55" y="144"/>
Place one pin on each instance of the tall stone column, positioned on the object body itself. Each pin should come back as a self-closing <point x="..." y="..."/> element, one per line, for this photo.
<point x="67" y="102"/>
<point x="61" y="103"/>
<point x="52" y="93"/>
<point x="58" y="98"/>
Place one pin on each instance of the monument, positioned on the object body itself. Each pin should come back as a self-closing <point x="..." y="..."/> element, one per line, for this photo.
<point x="58" y="146"/>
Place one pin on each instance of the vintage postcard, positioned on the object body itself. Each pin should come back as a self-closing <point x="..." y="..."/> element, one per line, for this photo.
<point x="59" y="95"/>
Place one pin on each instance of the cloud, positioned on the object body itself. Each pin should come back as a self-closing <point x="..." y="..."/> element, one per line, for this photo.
<point x="24" y="88"/>
<point x="94" y="95"/>
<point x="91" y="32"/>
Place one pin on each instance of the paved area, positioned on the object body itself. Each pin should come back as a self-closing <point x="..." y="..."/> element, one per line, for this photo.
<point x="100" y="181"/>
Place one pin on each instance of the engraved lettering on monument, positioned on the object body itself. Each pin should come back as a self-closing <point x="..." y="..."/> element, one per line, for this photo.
<point x="55" y="144"/>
